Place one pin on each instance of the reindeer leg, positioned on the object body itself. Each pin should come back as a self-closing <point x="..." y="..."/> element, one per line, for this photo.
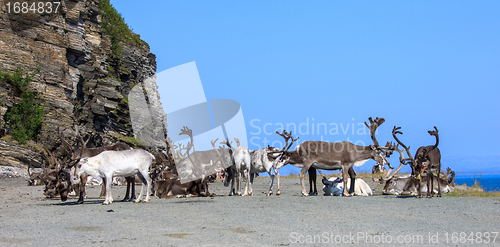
<point x="312" y="181"/>
<point x="144" y="177"/>
<point x="109" y="198"/>
<point x="430" y="184"/>
<point x="251" y="182"/>
<point x="83" y="181"/>
<point x="231" y="192"/>
<point x="103" y="189"/>
<point x="278" y="192"/>
<point x="344" y="177"/>
<point x="238" y="182"/>
<point x="352" y="175"/>
<point x="271" y="174"/>
<point x="302" y="175"/>
<point x="419" y="192"/>
<point x="132" y="185"/>
<point x="438" y="181"/>
<point x="127" y="194"/>
<point x="247" y="182"/>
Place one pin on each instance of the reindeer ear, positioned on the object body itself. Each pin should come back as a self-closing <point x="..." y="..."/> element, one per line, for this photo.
<point x="373" y="147"/>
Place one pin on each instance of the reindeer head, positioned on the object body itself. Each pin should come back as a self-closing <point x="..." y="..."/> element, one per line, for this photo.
<point x="283" y="154"/>
<point x="63" y="184"/>
<point x="58" y="180"/>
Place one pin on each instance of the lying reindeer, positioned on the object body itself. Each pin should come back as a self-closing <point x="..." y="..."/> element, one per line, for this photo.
<point x="171" y="186"/>
<point x="409" y="185"/>
<point x="333" y="187"/>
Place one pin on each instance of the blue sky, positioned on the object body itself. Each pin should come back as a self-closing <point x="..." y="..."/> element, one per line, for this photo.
<point x="418" y="64"/>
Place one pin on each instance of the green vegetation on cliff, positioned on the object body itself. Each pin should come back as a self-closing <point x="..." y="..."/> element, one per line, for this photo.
<point x="114" y="25"/>
<point x="25" y="117"/>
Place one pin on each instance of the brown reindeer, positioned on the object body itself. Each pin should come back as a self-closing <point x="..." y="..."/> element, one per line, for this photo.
<point x="171" y="186"/>
<point x="337" y="155"/>
<point x="426" y="160"/>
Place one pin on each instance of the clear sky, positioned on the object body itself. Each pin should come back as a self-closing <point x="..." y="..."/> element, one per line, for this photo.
<point x="418" y="64"/>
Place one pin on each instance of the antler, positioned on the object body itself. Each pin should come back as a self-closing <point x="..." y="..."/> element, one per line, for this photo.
<point x="396" y="130"/>
<point x="213" y="143"/>
<point x="187" y="131"/>
<point x="287" y="137"/>
<point x="181" y="147"/>
<point x="217" y="150"/>
<point x="226" y="142"/>
<point x="373" y="127"/>
<point x="66" y="145"/>
<point x="55" y="163"/>
<point x="401" y="163"/>
<point x="74" y="157"/>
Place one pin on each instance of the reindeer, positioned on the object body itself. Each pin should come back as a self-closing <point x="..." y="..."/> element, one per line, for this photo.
<point x="241" y="166"/>
<point x="58" y="179"/>
<point x="79" y="182"/>
<point x="426" y="159"/>
<point x="171" y="186"/>
<point x="409" y="185"/>
<point x="119" y="163"/>
<point x="198" y="164"/>
<point x="279" y="163"/>
<point x="429" y="159"/>
<point x="337" y="155"/>
<point x="332" y="187"/>
<point x="263" y="160"/>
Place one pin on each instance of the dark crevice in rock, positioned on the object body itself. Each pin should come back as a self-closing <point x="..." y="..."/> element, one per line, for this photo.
<point x="74" y="57"/>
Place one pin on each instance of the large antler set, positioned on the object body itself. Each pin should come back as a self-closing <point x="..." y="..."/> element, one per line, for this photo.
<point x="287" y="136"/>
<point x="417" y="163"/>
<point x="413" y="162"/>
<point x="389" y="147"/>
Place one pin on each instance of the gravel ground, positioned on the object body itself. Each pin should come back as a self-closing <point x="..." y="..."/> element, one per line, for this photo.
<point x="27" y="218"/>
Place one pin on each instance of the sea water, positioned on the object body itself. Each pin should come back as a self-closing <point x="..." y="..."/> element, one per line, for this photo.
<point x="489" y="182"/>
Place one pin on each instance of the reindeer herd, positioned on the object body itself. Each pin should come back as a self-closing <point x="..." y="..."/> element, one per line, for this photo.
<point x="174" y="173"/>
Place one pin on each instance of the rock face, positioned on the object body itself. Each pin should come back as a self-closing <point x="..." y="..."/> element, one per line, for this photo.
<point x="80" y="81"/>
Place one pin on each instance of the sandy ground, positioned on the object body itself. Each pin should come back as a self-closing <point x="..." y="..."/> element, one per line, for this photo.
<point x="27" y="218"/>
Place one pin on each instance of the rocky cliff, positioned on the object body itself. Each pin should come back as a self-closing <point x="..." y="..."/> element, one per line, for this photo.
<point x="82" y="79"/>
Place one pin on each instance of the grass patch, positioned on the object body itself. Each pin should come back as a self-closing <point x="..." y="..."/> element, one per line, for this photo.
<point x="114" y="25"/>
<point x="128" y="139"/>
<point x="474" y="191"/>
<point x="25" y="117"/>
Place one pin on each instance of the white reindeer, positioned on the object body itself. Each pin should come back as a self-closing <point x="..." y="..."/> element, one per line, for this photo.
<point x="125" y="163"/>
<point x="334" y="187"/>
<point x="242" y="166"/>
<point x="263" y="160"/>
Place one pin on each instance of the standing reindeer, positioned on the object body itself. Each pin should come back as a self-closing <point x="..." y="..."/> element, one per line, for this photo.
<point x="263" y="160"/>
<point x="427" y="159"/>
<point x="79" y="182"/>
<point x="242" y="166"/>
<point x="337" y="155"/>
<point x="280" y="163"/>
